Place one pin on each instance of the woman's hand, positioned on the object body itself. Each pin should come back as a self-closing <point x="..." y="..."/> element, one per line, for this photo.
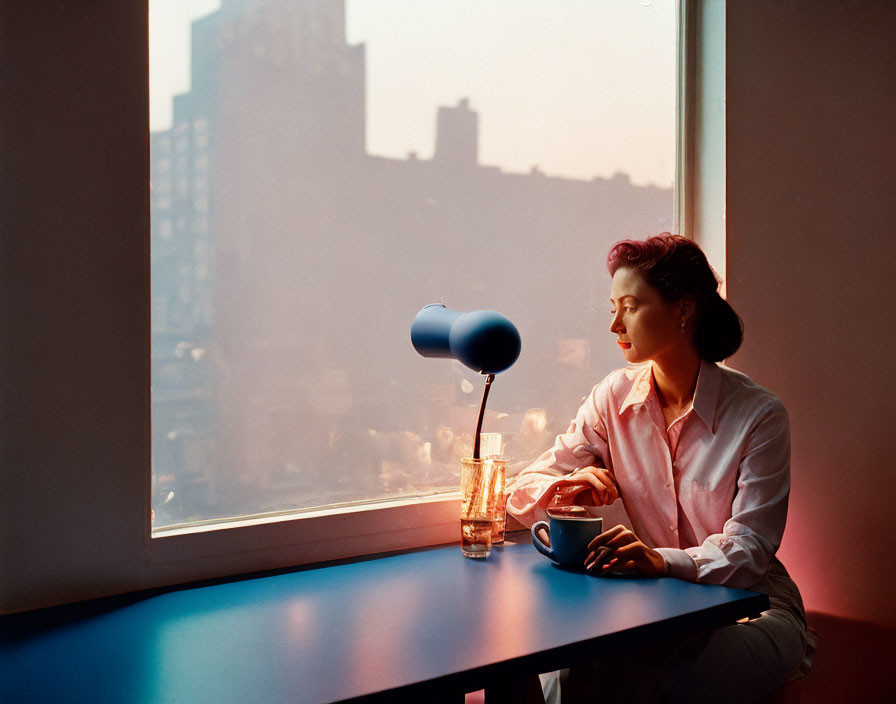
<point x="588" y="486"/>
<point x="619" y="550"/>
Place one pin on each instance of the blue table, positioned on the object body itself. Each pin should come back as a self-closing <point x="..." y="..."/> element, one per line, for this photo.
<point x="403" y="626"/>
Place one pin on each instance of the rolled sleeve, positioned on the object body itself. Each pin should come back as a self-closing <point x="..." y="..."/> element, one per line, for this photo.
<point x="679" y="564"/>
<point x="584" y="444"/>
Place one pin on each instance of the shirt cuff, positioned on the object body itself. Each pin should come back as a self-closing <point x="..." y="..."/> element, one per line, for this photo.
<point x="679" y="564"/>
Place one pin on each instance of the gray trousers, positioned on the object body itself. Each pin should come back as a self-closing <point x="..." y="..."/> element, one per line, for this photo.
<point x="737" y="664"/>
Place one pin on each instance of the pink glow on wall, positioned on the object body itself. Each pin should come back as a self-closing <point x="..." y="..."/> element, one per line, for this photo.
<point x="810" y="149"/>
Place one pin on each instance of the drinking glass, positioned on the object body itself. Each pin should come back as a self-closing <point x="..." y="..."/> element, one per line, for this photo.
<point x="492" y="445"/>
<point x="482" y="490"/>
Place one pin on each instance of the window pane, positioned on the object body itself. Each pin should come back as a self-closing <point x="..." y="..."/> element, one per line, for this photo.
<point x="321" y="170"/>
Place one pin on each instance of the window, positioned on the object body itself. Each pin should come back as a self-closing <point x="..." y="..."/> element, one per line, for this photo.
<point x="75" y="518"/>
<point x="336" y="166"/>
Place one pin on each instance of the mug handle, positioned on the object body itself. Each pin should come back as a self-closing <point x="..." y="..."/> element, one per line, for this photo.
<point x="536" y="541"/>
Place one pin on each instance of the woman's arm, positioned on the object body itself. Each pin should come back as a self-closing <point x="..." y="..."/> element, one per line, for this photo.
<point x="739" y="556"/>
<point x="576" y="469"/>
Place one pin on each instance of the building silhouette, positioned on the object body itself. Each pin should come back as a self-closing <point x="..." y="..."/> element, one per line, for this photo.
<point x="288" y="262"/>
<point x="457" y="136"/>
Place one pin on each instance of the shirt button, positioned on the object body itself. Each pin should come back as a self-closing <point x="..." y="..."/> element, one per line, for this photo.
<point x="672" y="528"/>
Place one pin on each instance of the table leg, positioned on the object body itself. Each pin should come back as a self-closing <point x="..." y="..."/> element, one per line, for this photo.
<point x="521" y="690"/>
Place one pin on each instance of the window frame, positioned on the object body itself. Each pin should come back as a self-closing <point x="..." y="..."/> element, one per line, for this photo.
<point x="75" y="510"/>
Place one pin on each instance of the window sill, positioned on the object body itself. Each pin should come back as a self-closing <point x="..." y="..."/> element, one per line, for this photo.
<point x="316" y="536"/>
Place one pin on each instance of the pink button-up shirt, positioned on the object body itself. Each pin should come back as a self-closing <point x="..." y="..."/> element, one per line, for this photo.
<point x="709" y="491"/>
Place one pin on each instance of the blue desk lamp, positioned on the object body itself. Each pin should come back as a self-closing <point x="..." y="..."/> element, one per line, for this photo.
<point x="484" y="341"/>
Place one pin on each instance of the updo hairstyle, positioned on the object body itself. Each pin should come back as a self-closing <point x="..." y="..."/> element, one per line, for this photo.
<point x="676" y="267"/>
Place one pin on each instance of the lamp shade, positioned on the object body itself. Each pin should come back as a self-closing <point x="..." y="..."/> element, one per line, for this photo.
<point x="483" y="340"/>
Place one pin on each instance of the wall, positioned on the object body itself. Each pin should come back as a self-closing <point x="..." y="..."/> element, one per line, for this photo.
<point x="73" y="277"/>
<point x="810" y="264"/>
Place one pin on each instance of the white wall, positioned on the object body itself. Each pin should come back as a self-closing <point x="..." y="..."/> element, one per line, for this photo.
<point x="811" y="252"/>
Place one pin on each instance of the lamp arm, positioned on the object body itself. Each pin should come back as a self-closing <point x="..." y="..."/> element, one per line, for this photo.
<point x="488" y="384"/>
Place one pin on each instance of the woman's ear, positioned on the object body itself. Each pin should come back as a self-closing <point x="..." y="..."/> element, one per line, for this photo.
<point x="686" y="308"/>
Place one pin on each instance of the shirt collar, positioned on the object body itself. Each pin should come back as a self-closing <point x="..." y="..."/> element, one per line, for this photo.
<point x="641" y="388"/>
<point x="706" y="395"/>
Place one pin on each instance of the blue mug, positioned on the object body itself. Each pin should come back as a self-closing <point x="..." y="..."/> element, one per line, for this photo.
<point x="570" y="529"/>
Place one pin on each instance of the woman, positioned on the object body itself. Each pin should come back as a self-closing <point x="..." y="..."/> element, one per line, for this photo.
<point x="700" y="457"/>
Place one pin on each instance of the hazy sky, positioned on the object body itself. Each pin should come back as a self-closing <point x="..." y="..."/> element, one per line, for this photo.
<point x="580" y="88"/>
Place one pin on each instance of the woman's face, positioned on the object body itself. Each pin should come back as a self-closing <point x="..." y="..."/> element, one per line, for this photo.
<point x="647" y="326"/>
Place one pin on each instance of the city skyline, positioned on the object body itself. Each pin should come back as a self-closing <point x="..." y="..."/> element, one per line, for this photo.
<point x="287" y="262"/>
<point x="538" y="109"/>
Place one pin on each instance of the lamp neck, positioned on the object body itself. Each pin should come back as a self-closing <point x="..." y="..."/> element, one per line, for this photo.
<point x="488" y="384"/>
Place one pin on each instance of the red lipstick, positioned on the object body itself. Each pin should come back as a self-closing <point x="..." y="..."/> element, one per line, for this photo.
<point x="624" y="345"/>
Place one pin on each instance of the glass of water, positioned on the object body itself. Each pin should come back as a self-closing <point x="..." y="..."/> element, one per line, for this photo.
<point x="482" y="505"/>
